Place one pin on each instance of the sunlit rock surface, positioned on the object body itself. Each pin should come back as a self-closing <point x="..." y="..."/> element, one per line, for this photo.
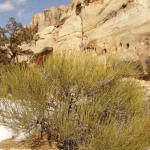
<point x="117" y="25"/>
<point x="5" y="133"/>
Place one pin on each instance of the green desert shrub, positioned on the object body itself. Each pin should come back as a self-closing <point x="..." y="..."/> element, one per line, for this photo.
<point x="24" y="94"/>
<point x="133" y="135"/>
<point x="78" y="101"/>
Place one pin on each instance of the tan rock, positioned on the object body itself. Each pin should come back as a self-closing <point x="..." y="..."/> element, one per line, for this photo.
<point x="50" y="17"/>
<point x="118" y="26"/>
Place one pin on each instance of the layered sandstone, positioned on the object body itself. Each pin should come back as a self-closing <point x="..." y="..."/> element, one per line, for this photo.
<point x="50" y="17"/>
<point x="118" y="26"/>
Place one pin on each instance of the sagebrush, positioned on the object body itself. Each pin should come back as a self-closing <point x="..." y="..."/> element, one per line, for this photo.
<point x="78" y="101"/>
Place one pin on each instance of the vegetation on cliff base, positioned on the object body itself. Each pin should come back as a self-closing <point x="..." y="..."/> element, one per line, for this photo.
<point x="77" y="101"/>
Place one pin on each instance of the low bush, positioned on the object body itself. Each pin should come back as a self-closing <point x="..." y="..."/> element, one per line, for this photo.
<point x="78" y="101"/>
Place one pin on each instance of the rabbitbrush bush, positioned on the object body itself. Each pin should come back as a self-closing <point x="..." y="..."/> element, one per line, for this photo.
<point x="77" y="101"/>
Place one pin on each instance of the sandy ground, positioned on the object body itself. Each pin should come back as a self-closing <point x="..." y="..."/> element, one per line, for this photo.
<point x="8" y="142"/>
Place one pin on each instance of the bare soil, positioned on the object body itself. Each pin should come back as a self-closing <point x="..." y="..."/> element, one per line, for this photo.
<point x="11" y="144"/>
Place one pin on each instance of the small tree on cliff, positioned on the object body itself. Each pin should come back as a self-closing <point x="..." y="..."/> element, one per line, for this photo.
<point x="12" y="36"/>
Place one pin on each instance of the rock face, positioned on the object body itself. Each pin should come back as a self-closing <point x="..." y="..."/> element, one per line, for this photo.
<point x="50" y="17"/>
<point x="118" y="26"/>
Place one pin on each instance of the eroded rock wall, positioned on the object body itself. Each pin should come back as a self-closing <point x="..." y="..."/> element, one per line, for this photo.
<point x="118" y="26"/>
<point x="50" y="17"/>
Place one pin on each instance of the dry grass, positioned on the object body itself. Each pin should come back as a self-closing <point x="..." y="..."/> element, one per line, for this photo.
<point x="79" y="102"/>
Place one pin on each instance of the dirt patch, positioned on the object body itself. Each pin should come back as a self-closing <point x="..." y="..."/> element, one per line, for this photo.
<point x="10" y="144"/>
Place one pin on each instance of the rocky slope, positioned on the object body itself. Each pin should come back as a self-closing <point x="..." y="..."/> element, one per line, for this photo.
<point x="117" y="26"/>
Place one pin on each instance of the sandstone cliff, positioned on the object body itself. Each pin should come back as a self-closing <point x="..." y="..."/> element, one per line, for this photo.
<point x="50" y="17"/>
<point x="118" y="26"/>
